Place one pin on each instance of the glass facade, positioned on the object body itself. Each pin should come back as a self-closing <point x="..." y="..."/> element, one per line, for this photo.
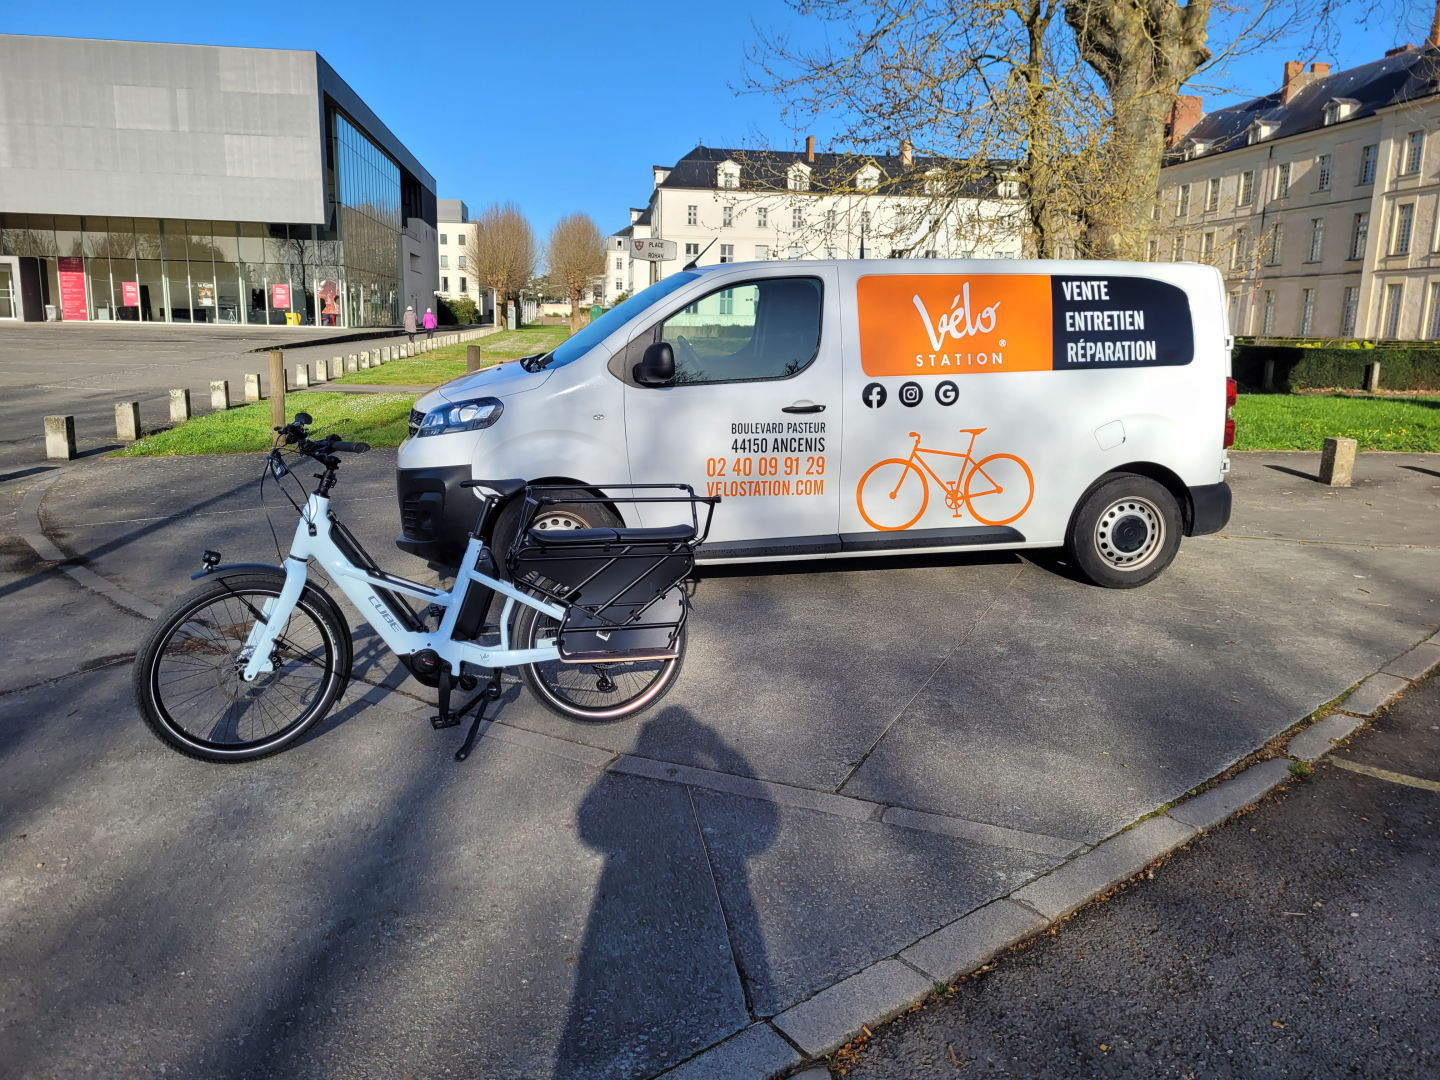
<point x="344" y="273"/>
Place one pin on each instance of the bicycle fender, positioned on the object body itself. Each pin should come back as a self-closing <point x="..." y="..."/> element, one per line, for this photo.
<point x="347" y="656"/>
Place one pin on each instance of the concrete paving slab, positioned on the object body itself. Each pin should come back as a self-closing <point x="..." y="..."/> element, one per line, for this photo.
<point x="834" y="1016"/>
<point x="781" y="794"/>
<point x="756" y="1053"/>
<point x="971" y="942"/>
<point x="1121" y="857"/>
<point x="811" y="898"/>
<point x="1317" y="740"/>
<point x="1417" y="663"/>
<point x="978" y="831"/>
<point x="1408" y="743"/>
<point x="1374" y="694"/>
<point x="1210" y="808"/>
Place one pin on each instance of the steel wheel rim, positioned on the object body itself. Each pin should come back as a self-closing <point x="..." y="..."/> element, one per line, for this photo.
<point x="1130" y="533"/>
<point x="558" y="519"/>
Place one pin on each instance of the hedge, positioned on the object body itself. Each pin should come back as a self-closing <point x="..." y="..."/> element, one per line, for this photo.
<point x="1299" y="368"/>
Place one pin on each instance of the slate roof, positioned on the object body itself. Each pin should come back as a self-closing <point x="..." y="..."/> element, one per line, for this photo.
<point x="767" y="170"/>
<point x="1373" y="86"/>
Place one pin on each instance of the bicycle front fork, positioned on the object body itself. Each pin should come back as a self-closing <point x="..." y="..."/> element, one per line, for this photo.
<point x="271" y="621"/>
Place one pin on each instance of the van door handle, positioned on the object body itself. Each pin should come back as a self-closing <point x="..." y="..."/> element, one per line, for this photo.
<point x="803" y="406"/>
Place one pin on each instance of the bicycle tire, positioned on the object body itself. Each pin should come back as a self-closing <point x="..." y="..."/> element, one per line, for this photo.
<point x="906" y="465"/>
<point x="980" y="468"/>
<point x="187" y="652"/>
<point x="558" y="685"/>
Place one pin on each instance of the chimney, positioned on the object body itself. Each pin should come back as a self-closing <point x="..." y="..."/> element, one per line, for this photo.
<point x="661" y="172"/>
<point x="907" y="154"/>
<point x="1434" y="39"/>
<point x="1184" y="115"/>
<point x="1396" y="51"/>
<point x="810" y="149"/>
<point x="1319" y="70"/>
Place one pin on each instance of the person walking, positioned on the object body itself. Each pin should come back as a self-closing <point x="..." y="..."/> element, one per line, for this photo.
<point x="429" y="323"/>
<point x="410" y="323"/>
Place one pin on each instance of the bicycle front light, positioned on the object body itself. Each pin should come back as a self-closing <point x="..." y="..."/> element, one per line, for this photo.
<point x="470" y="415"/>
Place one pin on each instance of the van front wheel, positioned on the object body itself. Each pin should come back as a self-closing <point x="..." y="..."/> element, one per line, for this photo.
<point x="1125" y="532"/>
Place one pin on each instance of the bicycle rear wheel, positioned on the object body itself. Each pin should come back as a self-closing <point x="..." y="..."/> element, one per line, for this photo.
<point x="892" y="495"/>
<point x="188" y="673"/>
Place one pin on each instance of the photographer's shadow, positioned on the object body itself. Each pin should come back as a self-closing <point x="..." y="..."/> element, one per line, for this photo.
<point x="657" y="979"/>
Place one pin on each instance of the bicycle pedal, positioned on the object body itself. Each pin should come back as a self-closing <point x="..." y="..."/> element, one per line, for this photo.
<point x="439" y="722"/>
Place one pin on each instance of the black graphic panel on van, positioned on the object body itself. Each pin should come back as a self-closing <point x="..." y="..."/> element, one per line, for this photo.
<point x="1112" y="322"/>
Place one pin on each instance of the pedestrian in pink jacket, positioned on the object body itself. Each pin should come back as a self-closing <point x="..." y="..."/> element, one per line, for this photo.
<point x="429" y="323"/>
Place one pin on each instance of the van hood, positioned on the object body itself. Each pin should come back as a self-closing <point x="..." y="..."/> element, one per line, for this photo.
<point x="502" y="381"/>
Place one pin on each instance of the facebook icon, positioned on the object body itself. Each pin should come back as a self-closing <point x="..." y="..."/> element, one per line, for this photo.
<point x="873" y="395"/>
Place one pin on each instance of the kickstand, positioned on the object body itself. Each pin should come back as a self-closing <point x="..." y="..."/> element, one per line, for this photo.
<point x="490" y="693"/>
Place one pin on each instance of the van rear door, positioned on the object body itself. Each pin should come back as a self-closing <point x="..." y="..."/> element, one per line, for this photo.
<point x="752" y="414"/>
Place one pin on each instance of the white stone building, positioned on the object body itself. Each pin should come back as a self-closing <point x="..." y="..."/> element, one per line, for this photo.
<point x="455" y="230"/>
<point x="726" y="205"/>
<point x="1318" y="202"/>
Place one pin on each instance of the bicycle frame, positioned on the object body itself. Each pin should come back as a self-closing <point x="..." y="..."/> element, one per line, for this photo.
<point x="361" y="585"/>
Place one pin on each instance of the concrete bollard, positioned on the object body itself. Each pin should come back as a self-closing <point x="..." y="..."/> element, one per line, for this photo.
<point x="364" y="361"/>
<point x="320" y="375"/>
<point x="127" y="420"/>
<point x="352" y="364"/>
<point x="219" y="395"/>
<point x="337" y="366"/>
<point x="252" y="387"/>
<point x="60" y="437"/>
<point x="472" y="358"/>
<point x="302" y="376"/>
<point x="385" y="354"/>
<point x="179" y="406"/>
<point x="1372" y="376"/>
<point x="1337" y="462"/>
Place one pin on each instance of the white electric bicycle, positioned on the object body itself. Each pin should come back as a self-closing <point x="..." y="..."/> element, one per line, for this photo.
<point x="255" y="656"/>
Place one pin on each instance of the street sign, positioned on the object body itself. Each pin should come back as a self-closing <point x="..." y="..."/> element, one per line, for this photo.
<point x="653" y="250"/>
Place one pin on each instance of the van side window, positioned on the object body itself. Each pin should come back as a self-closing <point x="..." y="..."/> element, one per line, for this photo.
<point x="768" y="329"/>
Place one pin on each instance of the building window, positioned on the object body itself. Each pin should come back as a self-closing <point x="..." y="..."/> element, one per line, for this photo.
<point x="1154" y="251"/>
<point x="727" y="253"/>
<point x="930" y="253"/>
<point x="1369" y="156"/>
<point x="444" y="284"/>
<point x="619" y="285"/>
<point x="727" y="216"/>
<point x="444" y="262"/>
<point x="1414" y="151"/>
<point x="762" y="216"/>
<point x="1317" y="239"/>
<point x="463" y="284"/>
<point x="1207" y="247"/>
<point x="1404" y="224"/>
<point x="762" y="252"/>
<point x="619" y="263"/>
<point x="829" y="253"/>
<point x="1247" y="189"/>
<point x="444" y="238"/>
<point x="1182" y="203"/>
<point x="1239" y="250"/>
<point x="1212" y="194"/>
<point x="1155" y="212"/>
<point x="1269" y="320"/>
<point x="1322" y="173"/>
<point x="1307" y="313"/>
<point x="1352" y="308"/>
<point x="1177" y="251"/>
<point x="692" y="251"/>
<point x="460" y="262"/>
<point x="692" y="215"/>
<point x="829" y="220"/>
<point x="1394" y="296"/>
<point x="967" y="254"/>
<point x="1234" y="307"/>
<point x="796" y="251"/>
<point x="797" y="217"/>
<point x="1277" y="238"/>
<point x="727" y="301"/>
<point x="1282" y="180"/>
<point x="864" y="220"/>
<point x="1432" y="330"/>
<point x="1359" y="231"/>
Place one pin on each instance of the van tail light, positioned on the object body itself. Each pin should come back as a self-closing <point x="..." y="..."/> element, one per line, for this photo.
<point x="1232" y="388"/>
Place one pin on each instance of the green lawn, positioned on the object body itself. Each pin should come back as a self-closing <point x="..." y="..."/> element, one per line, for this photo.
<point x="442" y="365"/>
<point x="1305" y="421"/>
<point x="378" y="419"/>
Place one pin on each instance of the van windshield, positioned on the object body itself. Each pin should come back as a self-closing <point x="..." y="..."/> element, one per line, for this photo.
<point x="573" y="348"/>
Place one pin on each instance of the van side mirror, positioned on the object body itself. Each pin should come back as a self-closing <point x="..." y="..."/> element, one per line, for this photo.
<point x="657" y="366"/>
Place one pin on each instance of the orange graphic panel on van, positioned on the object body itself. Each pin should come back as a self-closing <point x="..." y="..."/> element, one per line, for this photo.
<point x="933" y="324"/>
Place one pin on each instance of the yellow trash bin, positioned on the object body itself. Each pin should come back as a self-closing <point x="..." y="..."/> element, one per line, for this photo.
<point x="292" y="318"/>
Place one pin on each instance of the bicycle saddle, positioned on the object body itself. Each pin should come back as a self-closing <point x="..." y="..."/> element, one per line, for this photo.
<point x="503" y="488"/>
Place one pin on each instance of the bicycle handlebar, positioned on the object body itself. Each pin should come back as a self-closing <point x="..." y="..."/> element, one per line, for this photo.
<point x="349" y="447"/>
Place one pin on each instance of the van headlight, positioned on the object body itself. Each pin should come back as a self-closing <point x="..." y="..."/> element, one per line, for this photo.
<point x="461" y="416"/>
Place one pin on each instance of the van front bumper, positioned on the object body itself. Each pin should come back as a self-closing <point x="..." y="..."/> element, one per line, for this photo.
<point x="436" y="513"/>
<point x="1209" y="509"/>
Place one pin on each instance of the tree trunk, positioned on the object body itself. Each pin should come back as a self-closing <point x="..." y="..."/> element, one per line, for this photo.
<point x="1143" y="50"/>
<point x="574" y="310"/>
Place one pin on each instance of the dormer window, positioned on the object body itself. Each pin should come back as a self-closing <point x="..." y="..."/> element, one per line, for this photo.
<point x="868" y="178"/>
<point x="797" y="178"/>
<point x="1261" y="130"/>
<point x="1196" y="147"/>
<point x="727" y="176"/>
<point x="1337" y="109"/>
<point x="1008" y="189"/>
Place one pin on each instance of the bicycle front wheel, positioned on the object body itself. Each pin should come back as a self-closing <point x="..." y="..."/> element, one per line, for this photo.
<point x="892" y="495"/>
<point x="999" y="489"/>
<point x="593" y="692"/>
<point x="188" y="673"/>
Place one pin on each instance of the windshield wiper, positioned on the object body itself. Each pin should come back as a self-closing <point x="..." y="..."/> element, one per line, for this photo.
<point x="538" y="361"/>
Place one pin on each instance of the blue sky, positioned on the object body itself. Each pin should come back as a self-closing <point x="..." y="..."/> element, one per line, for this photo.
<point x="561" y="107"/>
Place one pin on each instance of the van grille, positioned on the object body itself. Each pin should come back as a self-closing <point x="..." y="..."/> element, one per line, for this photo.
<point x="416" y="419"/>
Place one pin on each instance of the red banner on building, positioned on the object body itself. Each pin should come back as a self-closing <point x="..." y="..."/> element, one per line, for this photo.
<point x="72" y="289"/>
<point x="129" y="294"/>
<point x="280" y="297"/>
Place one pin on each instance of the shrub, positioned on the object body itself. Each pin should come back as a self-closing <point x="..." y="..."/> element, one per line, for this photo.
<point x="457" y="310"/>
<point x="1304" y="366"/>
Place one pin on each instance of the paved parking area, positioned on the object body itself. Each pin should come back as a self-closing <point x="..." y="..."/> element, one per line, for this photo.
<point x="857" y="753"/>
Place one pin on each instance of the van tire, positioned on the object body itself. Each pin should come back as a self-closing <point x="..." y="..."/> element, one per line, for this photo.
<point x="1125" y="531"/>
<point x="585" y="515"/>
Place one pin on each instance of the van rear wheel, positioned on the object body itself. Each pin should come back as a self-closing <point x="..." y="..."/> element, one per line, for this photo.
<point x="1125" y="532"/>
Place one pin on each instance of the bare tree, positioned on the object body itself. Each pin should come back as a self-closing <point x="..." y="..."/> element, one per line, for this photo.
<point x="502" y="252"/>
<point x="575" y="259"/>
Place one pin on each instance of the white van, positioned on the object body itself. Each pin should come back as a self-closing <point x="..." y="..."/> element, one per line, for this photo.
<point x="858" y="407"/>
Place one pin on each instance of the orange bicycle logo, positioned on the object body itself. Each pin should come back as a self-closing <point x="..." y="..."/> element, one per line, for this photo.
<point x="894" y="493"/>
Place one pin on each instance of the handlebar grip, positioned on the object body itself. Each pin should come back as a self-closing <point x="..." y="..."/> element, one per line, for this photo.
<point x="349" y="447"/>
